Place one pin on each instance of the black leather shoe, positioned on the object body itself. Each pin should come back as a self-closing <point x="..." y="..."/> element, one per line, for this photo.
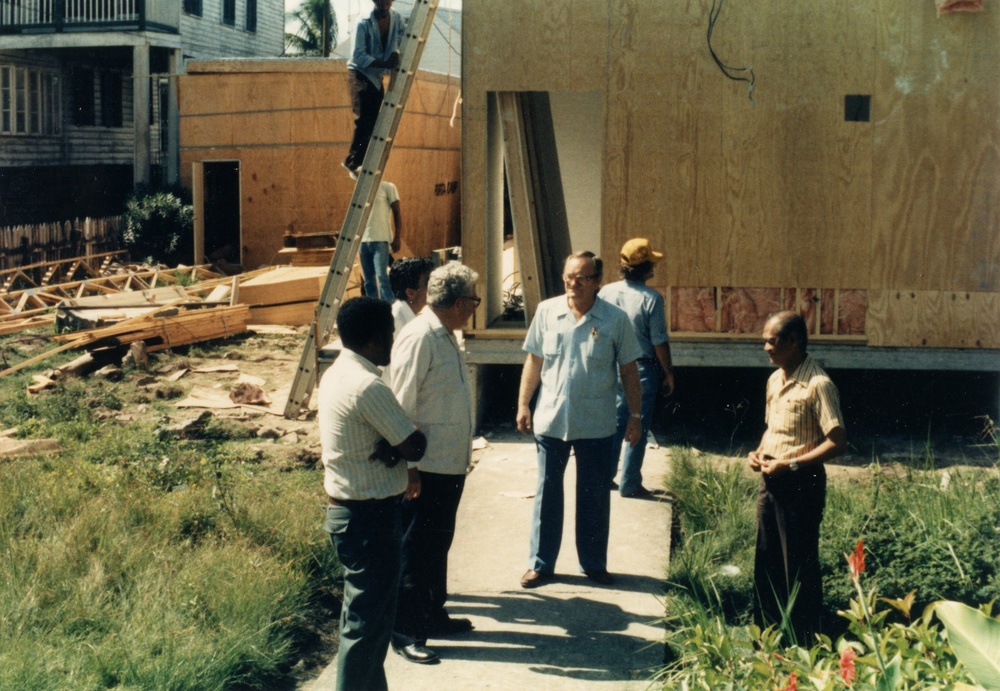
<point x="602" y="577"/>
<point x="449" y="626"/>
<point x="641" y="493"/>
<point x="414" y="652"/>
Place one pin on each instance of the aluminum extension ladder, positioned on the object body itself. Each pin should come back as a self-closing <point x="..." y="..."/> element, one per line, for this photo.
<point x="418" y="27"/>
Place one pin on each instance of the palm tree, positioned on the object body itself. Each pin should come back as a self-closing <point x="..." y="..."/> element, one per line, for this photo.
<point x="317" y="34"/>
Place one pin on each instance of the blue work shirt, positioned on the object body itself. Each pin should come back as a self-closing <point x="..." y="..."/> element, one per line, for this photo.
<point x="368" y="46"/>
<point x="644" y="307"/>
<point x="580" y="361"/>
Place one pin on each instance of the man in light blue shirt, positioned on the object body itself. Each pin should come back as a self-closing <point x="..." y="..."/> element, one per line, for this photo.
<point x="644" y="307"/>
<point x="377" y="42"/>
<point x="577" y="347"/>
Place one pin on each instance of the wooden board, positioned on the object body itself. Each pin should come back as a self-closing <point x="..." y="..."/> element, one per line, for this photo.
<point x="291" y="314"/>
<point x="284" y="284"/>
<point x="934" y="319"/>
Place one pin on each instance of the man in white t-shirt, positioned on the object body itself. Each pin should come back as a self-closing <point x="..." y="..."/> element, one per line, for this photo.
<point x="383" y="233"/>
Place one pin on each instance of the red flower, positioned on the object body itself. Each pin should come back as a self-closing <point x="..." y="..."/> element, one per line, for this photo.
<point x="857" y="560"/>
<point x="793" y="684"/>
<point x="847" y="665"/>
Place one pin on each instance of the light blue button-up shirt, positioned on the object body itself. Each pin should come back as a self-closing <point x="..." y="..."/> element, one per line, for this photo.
<point x="644" y="307"/>
<point x="368" y="46"/>
<point x="580" y="361"/>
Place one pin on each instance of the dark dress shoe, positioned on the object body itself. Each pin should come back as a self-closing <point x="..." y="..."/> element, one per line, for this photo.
<point x="449" y="626"/>
<point x="614" y="485"/>
<point x="533" y="579"/>
<point x="414" y="652"/>
<point x="602" y="577"/>
<point x="641" y="493"/>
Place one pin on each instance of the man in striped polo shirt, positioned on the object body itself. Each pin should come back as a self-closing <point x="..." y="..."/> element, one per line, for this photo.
<point x="804" y="428"/>
<point x="365" y="434"/>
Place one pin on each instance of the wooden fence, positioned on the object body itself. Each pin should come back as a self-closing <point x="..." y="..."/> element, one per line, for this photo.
<point x="24" y="245"/>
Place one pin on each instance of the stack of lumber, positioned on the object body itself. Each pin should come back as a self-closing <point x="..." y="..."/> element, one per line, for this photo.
<point x="168" y="326"/>
<point x="308" y="249"/>
<point x="287" y="295"/>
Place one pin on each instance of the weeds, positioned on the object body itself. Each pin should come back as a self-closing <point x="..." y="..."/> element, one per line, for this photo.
<point x="931" y="535"/>
<point x="136" y="561"/>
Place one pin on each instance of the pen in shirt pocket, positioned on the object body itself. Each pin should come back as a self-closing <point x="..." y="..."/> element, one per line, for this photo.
<point x="594" y="334"/>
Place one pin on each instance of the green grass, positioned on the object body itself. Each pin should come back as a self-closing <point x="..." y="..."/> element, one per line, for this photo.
<point x="136" y="560"/>
<point x="921" y="533"/>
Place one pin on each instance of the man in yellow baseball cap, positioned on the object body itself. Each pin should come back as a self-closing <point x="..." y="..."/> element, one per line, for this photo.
<point x="644" y="307"/>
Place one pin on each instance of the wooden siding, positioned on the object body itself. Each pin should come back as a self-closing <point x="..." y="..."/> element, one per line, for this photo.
<point x="780" y="191"/>
<point x="289" y="124"/>
<point x="207" y="37"/>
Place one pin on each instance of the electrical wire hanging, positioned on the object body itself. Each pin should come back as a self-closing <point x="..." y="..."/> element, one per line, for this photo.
<point x="713" y="16"/>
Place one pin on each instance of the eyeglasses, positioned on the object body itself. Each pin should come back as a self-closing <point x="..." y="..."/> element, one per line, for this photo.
<point x="772" y="341"/>
<point x="578" y="278"/>
<point x="473" y="299"/>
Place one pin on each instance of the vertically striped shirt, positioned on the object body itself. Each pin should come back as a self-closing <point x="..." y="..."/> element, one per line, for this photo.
<point x="356" y="409"/>
<point x="801" y="411"/>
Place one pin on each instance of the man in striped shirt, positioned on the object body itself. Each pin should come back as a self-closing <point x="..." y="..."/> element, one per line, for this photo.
<point x="804" y="429"/>
<point x="364" y="434"/>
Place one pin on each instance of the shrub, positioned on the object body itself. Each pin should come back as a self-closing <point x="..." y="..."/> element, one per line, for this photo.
<point x="158" y="228"/>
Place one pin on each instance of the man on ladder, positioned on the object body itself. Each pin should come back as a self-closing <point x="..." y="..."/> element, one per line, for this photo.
<point x="376" y="54"/>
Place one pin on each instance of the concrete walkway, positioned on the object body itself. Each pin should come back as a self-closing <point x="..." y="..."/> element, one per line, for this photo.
<point x="568" y="634"/>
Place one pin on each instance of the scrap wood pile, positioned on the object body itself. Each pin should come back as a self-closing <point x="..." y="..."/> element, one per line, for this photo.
<point x="105" y="306"/>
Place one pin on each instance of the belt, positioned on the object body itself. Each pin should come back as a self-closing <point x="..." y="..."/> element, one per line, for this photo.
<point x="348" y="503"/>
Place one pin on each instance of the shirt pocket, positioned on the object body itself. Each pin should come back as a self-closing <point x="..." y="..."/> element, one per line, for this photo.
<point x="550" y="344"/>
<point x="599" y="352"/>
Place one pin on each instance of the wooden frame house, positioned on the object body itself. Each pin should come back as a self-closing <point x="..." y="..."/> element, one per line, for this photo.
<point x="262" y="143"/>
<point x="858" y="181"/>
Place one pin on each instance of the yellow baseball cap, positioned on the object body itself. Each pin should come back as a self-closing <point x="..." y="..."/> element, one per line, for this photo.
<point x="637" y="251"/>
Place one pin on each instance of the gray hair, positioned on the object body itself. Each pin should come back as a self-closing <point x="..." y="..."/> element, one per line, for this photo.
<point x="448" y="283"/>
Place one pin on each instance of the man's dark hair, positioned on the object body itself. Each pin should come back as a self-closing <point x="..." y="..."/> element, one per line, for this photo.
<point x="362" y="320"/>
<point x="587" y="254"/>
<point x="639" y="272"/>
<point x="792" y="327"/>
<point x="406" y="273"/>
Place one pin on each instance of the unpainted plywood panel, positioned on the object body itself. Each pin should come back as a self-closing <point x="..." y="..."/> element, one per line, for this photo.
<point x="937" y="150"/>
<point x="937" y="319"/>
<point x="206" y="130"/>
<point x="541" y="55"/>
<point x="588" y="45"/>
<point x="320" y="90"/>
<point x="797" y="178"/>
<point x="204" y="94"/>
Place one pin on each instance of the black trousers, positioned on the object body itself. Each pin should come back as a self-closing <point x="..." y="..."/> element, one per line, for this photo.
<point x="789" y="513"/>
<point x="428" y="531"/>
<point x="366" y="99"/>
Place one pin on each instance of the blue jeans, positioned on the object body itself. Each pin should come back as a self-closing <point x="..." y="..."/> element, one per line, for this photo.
<point x="375" y="269"/>
<point x="593" y="503"/>
<point x="368" y="538"/>
<point x="650" y="375"/>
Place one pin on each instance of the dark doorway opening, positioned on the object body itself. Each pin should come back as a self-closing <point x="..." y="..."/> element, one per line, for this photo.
<point x="222" y="214"/>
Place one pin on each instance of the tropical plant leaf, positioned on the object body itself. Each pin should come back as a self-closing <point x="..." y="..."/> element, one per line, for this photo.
<point x="891" y="677"/>
<point x="975" y="639"/>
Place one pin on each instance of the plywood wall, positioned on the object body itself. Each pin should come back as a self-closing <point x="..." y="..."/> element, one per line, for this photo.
<point x="289" y="124"/>
<point x="780" y="191"/>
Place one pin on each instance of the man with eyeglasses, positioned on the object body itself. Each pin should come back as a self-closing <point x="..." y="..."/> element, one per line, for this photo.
<point x="804" y="428"/>
<point x="431" y="382"/>
<point x="577" y="346"/>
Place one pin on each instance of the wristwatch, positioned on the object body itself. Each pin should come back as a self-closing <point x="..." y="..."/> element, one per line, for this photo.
<point x="636" y="416"/>
<point x="793" y="466"/>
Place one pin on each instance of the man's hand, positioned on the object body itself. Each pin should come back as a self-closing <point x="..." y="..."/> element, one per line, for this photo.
<point x="754" y="458"/>
<point x="524" y="419"/>
<point x="772" y="467"/>
<point x="667" y="386"/>
<point x="394" y="247"/>
<point x="393" y="61"/>
<point x="633" y="431"/>
<point x="384" y="453"/>
<point x="412" y="483"/>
